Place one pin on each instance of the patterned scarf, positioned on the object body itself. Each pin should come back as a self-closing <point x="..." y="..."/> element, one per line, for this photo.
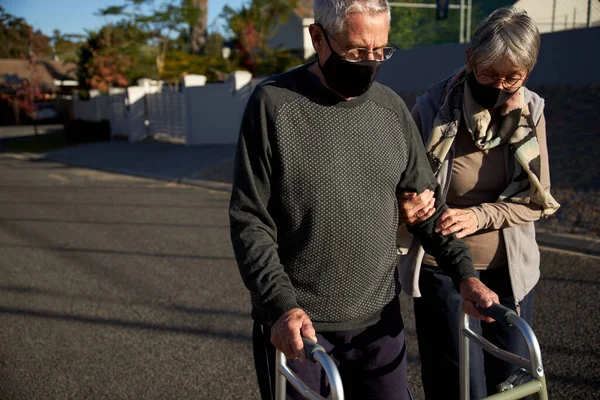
<point x="514" y="126"/>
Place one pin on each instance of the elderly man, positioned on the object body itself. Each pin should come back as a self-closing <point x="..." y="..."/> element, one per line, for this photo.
<point x="322" y="154"/>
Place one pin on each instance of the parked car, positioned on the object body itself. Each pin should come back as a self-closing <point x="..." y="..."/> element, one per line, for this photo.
<point x="44" y="111"/>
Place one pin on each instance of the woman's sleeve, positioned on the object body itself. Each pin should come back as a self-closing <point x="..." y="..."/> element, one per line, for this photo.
<point x="504" y="214"/>
<point x="416" y="116"/>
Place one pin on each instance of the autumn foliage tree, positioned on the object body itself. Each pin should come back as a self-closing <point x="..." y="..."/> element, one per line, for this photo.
<point x="108" y="56"/>
<point x="19" y="40"/>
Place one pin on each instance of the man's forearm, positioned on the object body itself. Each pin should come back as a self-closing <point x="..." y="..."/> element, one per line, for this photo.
<point x="451" y="254"/>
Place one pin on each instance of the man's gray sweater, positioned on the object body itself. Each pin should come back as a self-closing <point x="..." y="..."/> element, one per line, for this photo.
<point x="313" y="212"/>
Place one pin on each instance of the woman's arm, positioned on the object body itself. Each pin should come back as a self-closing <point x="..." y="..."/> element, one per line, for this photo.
<point x="505" y="214"/>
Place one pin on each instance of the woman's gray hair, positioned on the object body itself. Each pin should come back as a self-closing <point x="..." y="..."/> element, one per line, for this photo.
<point x="332" y="14"/>
<point x="508" y="34"/>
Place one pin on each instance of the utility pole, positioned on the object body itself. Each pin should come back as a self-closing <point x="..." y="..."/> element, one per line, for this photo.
<point x="469" y="18"/>
<point x="589" y="18"/>
<point x="553" y="14"/>
<point x="462" y="22"/>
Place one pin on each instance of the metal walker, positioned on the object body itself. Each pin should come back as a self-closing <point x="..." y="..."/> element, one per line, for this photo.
<point x="533" y="367"/>
<point x="316" y="354"/>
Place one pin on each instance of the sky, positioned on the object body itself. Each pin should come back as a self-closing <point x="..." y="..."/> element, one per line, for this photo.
<point x="75" y="16"/>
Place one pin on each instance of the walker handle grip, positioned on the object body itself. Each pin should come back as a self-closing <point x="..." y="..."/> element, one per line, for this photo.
<point x="310" y="348"/>
<point x="499" y="313"/>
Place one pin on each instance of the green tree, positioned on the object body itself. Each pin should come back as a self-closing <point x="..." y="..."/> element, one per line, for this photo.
<point x="412" y="27"/>
<point x="214" y="44"/>
<point x="160" y="21"/>
<point x="18" y="38"/>
<point x="252" y="25"/>
<point x="65" y="46"/>
<point x="114" y="56"/>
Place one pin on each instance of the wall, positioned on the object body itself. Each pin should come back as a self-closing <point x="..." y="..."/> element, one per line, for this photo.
<point x="566" y="58"/>
<point x="94" y="109"/>
<point x="214" y="113"/>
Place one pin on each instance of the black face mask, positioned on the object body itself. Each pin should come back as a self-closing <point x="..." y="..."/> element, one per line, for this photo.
<point x="487" y="96"/>
<point x="349" y="79"/>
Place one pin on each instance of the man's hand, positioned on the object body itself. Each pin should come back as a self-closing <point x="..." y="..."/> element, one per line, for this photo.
<point x="475" y="293"/>
<point x="459" y="221"/>
<point x="288" y="331"/>
<point x="414" y="208"/>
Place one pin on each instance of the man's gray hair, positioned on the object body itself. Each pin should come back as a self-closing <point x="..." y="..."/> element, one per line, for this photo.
<point x="508" y="34"/>
<point x="332" y="14"/>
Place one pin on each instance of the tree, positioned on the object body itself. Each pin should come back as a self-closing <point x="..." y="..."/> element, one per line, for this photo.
<point x="110" y="56"/>
<point x="198" y="13"/>
<point x="412" y="27"/>
<point x="18" y="38"/>
<point x="252" y="25"/>
<point x="214" y="44"/>
<point x="160" y="21"/>
<point x="65" y="46"/>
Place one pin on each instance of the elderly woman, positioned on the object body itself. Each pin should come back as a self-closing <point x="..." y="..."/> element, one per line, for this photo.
<point x="485" y="138"/>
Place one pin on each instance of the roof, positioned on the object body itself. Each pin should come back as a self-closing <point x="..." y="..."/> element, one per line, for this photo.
<point x="305" y="9"/>
<point x="46" y="72"/>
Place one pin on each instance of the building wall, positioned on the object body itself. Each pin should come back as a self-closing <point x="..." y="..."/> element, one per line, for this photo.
<point x="566" y="58"/>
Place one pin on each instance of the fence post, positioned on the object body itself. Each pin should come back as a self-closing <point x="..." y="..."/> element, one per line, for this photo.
<point x="136" y="113"/>
<point x="190" y="81"/>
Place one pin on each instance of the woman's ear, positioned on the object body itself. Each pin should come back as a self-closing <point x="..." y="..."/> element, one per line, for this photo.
<point x="468" y="60"/>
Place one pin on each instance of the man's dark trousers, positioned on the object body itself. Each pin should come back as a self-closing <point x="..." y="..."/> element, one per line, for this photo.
<point x="371" y="361"/>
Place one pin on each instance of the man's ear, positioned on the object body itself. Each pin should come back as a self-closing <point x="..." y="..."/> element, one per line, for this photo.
<point x="316" y="35"/>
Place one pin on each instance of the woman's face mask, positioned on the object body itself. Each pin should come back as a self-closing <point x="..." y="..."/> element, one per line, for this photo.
<point x="488" y="97"/>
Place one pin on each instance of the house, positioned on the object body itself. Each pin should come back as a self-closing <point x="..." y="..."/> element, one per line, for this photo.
<point x="56" y="80"/>
<point x="52" y="76"/>
<point x="293" y="34"/>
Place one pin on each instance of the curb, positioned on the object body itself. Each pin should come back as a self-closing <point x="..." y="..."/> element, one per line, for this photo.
<point x="220" y="186"/>
<point x="225" y="187"/>
<point x="573" y="243"/>
<point x="577" y="244"/>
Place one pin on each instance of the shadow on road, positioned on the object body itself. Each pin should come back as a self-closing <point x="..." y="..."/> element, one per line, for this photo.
<point x="71" y="250"/>
<point x="117" y="323"/>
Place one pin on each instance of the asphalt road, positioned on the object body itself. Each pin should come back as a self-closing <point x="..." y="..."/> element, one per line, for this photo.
<point x="115" y="287"/>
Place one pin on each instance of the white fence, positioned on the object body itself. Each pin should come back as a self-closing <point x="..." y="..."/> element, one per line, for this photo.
<point x="200" y="114"/>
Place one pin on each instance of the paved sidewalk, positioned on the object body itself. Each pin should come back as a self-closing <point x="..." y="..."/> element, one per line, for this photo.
<point x="155" y="159"/>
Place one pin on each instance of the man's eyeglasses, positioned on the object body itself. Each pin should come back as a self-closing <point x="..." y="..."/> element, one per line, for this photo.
<point x="359" y="54"/>
<point x="507" y="83"/>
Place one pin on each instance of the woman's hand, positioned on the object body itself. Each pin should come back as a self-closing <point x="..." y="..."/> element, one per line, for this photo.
<point x="414" y="208"/>
<point x="463" y="222"/>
